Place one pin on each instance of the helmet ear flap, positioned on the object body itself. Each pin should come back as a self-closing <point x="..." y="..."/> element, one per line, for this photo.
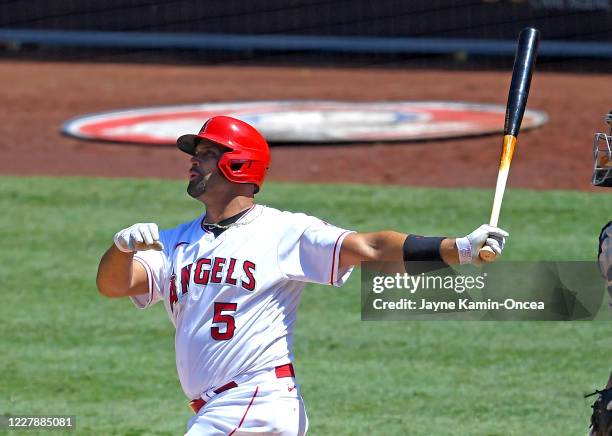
<point x="236" y="168"/>
<point x="233" y="168"/>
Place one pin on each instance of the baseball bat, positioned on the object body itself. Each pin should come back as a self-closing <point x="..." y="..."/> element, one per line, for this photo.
<point x="524" y="62"/>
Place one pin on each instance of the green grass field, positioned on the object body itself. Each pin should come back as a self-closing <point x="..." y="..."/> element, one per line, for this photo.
<point x="67" y="350"/>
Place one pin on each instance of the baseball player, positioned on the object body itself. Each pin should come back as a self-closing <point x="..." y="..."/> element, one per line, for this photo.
<point x="232" y="278"/>
<point x="602" y="176"/>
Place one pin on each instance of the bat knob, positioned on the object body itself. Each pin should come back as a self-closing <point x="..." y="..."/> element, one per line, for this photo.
<point x="486" y="254"/>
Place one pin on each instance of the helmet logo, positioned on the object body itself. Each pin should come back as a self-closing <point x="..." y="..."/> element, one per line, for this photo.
<point x="203" y="129"/>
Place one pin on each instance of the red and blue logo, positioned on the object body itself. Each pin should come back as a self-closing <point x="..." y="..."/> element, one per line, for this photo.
<point x="304" y="121"/>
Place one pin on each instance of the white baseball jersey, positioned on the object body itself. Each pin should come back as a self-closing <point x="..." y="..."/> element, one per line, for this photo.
<point x="233" y="299"/>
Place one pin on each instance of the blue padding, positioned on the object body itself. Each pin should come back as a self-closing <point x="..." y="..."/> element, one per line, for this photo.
<point x="355" y="44"/>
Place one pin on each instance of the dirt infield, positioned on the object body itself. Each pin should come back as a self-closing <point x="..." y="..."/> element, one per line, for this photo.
<point x="38" y="97"/>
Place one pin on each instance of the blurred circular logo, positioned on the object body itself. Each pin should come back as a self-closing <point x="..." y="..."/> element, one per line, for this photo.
<point x="303" y="121"/>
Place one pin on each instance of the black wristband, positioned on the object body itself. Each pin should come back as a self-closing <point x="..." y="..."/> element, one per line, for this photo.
<point x="422" y="248"/>
<point x="422" y="254"/>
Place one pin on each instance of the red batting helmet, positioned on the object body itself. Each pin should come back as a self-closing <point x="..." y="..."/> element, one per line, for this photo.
<point x="248" y="157"/>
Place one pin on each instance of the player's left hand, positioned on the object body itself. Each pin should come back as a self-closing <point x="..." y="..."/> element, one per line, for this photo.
<point x="470" y="245"/>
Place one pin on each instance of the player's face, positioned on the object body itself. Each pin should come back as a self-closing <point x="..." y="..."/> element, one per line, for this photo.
<point x="204" y="171"/>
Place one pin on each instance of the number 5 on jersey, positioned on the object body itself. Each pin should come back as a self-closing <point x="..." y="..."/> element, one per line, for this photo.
<point x="219" y="317"/>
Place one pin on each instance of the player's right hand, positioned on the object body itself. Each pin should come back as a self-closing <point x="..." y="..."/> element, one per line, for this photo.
<point x="139" y="237"/>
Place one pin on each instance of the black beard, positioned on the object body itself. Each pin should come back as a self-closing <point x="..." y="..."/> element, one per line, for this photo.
<point x="196" y="187"/>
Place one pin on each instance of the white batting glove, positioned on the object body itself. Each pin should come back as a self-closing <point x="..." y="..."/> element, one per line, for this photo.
<point x="139" y="237"/>
<point x="469" y="245"/>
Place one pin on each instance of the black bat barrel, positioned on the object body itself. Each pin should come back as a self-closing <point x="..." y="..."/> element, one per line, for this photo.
<point x="524" y="62"/>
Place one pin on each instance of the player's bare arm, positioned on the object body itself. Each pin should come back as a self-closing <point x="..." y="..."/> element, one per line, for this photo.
<point x="119" y="275"/>
<point x="395" y="246"/>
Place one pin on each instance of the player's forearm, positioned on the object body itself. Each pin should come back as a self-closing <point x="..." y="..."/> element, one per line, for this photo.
<point x="115" y="273"/>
